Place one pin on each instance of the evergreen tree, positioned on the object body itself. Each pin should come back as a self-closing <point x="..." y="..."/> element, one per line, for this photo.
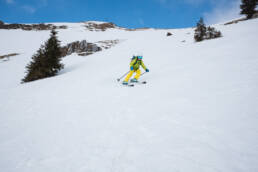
<point x="212" y="33"/>
<point x="248" y="8"/>
<point x="200" y="31"/>
<point x="46" y="62"/>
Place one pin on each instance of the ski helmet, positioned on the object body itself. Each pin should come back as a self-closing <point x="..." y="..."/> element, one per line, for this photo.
<point x="139" y="55"/>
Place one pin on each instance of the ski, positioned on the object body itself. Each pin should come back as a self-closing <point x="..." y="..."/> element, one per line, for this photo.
<point x="128" y="85"/>
<point x="139" y="82"/>
<point x="132" y="84"/>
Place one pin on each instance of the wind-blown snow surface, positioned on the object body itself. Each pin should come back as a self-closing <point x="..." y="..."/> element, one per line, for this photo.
<point x="197" y="113"/>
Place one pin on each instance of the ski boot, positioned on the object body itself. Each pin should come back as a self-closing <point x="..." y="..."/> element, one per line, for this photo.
<point x="134" y="80"/>
<point x="125" y="83"/>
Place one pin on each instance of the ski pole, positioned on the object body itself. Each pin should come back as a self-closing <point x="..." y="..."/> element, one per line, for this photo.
<point x="122" y="76"/>
<point x="143" y="73"/>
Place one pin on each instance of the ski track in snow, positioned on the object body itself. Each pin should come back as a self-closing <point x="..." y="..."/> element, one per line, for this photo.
<point x="197" y="112"/>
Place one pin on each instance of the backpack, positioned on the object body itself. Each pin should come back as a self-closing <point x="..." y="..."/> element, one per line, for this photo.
<point x="133" y="58"/>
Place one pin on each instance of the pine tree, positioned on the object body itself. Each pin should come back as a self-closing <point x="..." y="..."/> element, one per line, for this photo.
<point x="200" y="31"/>
<point x="46" y="62"/>
<point x="248" y="8"/>
<point x="212" y="33"/>
<point x="209" y="33"/>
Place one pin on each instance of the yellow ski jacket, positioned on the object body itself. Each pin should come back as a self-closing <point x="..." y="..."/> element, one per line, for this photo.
<point x="135" y="63"/>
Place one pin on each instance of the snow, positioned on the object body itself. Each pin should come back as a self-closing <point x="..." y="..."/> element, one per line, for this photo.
<point x="96" y="22"/>
<point x="198" y="111"/>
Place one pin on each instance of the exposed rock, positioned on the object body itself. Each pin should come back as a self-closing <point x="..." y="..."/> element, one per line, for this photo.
<point x="81" y="48"/>
<point x="99" y="27"/>
<point x="83" y="45"/>
<point x="242" y="19"/>
<point x="107" y="43"/>
<point x="95" y="26"/>
<point x="169" y="34"/>
<point x="28" y="27"/>
<point x="7" y="57"/>
<point x="1" y="23"/>
<point x="93" y="47"/>
<point x="84" y="54"/>
<point x="235" y="21"/>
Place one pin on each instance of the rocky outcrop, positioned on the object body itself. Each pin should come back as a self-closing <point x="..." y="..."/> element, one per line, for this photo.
<point x="169" y="34"/>
<point x="108" y="43"/>
<point x="99" y="27"/>
<point x="235" y="21"/>
<point x="242" y="19"/>
<point x="102" y="26"/>
<point x="29" y="27"/>
<point x="81" y="48"/>
<point x="7" y="56"/>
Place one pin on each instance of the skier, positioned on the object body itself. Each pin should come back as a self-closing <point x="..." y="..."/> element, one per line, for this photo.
<point x="135" y="64"/>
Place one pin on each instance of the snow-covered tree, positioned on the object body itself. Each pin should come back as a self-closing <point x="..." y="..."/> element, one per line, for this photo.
<point x="200" y="31"/>
<point x="248" y="8"/>
<point x="46" y="62"/>
<point x="212" y="33"/>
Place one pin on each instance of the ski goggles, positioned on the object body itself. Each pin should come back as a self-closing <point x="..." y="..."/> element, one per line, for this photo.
<point x="139" y="57"/>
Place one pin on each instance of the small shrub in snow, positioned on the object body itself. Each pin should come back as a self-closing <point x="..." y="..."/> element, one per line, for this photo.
<point x="211" y="33"/>
<point x="201" y="32"/>
<point x="46" y="62"/>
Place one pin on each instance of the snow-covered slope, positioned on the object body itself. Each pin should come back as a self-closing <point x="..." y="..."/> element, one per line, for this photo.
<point x="198" y="111"/>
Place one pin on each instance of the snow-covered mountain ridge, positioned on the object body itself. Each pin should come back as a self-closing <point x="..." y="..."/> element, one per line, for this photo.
<point x="88" y="25"/>
<point x="198" y="111"/>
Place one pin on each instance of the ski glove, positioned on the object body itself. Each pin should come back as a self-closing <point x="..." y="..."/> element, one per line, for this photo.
<point x="131" y="68"/>
<point x="147" y="70"/>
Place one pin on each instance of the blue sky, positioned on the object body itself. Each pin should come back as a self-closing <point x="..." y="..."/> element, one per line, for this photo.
<point x="125" y="13"/>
